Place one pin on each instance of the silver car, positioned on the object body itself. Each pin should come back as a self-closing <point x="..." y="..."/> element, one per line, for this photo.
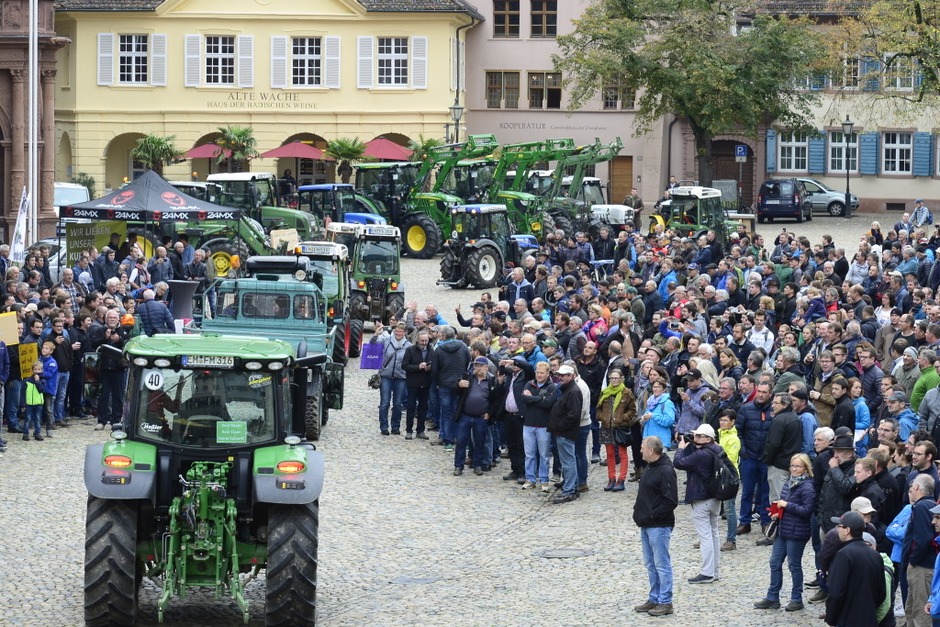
<point x="827" y="199"/>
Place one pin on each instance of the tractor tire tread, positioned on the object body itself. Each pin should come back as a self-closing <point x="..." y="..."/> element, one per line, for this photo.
<point x="110" y="562"/>
<point x="291" y="570"/>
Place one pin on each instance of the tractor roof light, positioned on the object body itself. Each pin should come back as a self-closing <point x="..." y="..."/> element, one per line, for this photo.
<point x="161" y="362"/>
<point x="253" y="365"/>
<point x="140" y="361"/>
<point x="275" y="365"/>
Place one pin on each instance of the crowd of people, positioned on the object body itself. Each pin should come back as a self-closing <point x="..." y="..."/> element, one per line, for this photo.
<point x="812" y="373"/>
<point x="107" y="297"/>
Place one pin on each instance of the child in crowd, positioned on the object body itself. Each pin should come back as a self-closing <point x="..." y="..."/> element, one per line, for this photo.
<point x="34" y="403"/>
<point x="50" y="378"/>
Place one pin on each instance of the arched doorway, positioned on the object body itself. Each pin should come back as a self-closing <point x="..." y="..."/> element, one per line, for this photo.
<point x="63" y="166"/>
<point x="201" y="168"/>
<point x="726" y="166"/>
<point x="118" y="162"/>
<point x="307" y="171"/>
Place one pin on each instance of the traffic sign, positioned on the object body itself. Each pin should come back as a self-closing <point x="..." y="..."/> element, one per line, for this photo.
<point x="740" y="153"/>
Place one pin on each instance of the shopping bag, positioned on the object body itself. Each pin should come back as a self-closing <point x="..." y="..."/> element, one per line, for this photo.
<point x="371" y="358"/>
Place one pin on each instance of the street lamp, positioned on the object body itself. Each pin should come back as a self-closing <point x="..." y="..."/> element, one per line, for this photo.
<point x="847" y="127"/>
<point x="456" y="112"/>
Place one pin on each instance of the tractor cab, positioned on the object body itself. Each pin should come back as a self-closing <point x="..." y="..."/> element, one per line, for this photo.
<point x="335" y="202"/>
<point x="386" y="186"/>
<point x="342" y="233"/>
<point x="331" y="261"/>
<point x="692" y="211"/>
<point x="377" y="291"/>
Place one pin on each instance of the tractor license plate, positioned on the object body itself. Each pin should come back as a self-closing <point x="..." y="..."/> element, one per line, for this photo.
<point x="208" y="361"/>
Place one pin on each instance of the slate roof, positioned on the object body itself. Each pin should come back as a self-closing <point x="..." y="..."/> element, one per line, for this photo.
<point x="372" y="6"/>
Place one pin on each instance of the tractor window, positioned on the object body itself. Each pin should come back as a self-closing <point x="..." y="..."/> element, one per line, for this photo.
<point x="327" y="270"/>
<point x="468" y="225"/>
<point x="227" y="305"/>
<point x="305" y="307"/>
<point x="265" y="305"/>
<point x="499" y="226"/>
<point x="378" y="257"/>
<point x="205" y="408"/>
<point x="236" y="194"/>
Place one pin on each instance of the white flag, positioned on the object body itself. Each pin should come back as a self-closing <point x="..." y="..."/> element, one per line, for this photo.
<point x="18" y="243"/>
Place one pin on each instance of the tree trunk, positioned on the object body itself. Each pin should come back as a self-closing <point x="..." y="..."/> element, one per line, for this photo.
<point x="703" y="153"/>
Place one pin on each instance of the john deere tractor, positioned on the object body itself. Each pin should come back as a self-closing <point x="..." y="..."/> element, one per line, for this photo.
<point x="207" y="482"/>
<point x="480" y="246"/>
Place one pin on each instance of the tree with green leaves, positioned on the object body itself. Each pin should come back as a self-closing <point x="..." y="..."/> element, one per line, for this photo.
<point x="422" y="146"/>
<point x="155" y="152"/>
<point x="345" y="151"/>
<point x="238" y="145"/>
<point x="688" y="58"/>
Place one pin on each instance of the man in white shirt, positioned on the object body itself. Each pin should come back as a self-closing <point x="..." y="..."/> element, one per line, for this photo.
<point x="760" y="335"/>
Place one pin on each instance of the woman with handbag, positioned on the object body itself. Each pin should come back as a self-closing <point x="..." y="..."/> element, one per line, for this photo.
<point x="796" y="505"/>
<point x="616" y="413"/>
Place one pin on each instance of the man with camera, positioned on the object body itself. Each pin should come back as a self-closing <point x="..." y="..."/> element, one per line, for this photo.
<point x="111" y="368"/>
<point x="698" y="460"/>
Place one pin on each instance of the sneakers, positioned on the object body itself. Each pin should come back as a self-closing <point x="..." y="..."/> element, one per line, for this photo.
<point x="38" y="437"/>
<point x="26" y="437"/>
<point x="99" y="427"/>
<point x="644" y="607"/>
<point x="545" y="487"/>
<point x="528" y="485"/>
<point x="458" y="472"/>
<point x="767" y="604"/>
<point x="408" y="436"/>
<point x="48" y="433"/>
<point x="564" y="498"/>
<point x="583" y="488"/>
<point x="609" y="488"/>
<point x="702" y="579"/>
<point x="794" y="606"/>
<point x="765" y="541"/>
<point x="421" y="436"/>
<point x="728" y="546"/>
<point x="595" y="459"/>
<point x="448" y="447"/>
<point x="510" y="476"/>
<point x="384" y="431"/>
<point x="742" y="529"/>
<point x="618" y="487"/>
<point x="661" y="609"/>
<point x="813" y="584"/>
<point x="819" y="597"/>
<point x="478" y="471"/>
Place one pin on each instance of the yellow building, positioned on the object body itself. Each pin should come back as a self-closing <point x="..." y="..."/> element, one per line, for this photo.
<point x="292" y="71"/>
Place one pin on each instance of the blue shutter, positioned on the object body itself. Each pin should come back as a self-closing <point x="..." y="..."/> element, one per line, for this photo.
<point x="868" y="153"/>
<point x="923" y="154"/>
<point x="871" y="73"/>
<point x="816" y="158"/>
<point x="771" y="150"/>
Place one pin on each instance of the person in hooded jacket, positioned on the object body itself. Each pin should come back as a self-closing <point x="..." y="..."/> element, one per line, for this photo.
<point x="844" y="413"/>
<point x="449" y="363"/>
<point x="754" y="420"/>
<point x="394" y="347"/>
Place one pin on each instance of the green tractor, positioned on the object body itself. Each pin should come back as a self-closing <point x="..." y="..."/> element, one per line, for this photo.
<point x="569" y="198"/>
<point x="481" y="244"/>
<point x="207" y="482"/>
<point x="258" y="194"/>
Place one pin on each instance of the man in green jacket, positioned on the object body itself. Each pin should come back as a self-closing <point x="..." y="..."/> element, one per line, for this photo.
<point x="928" y="378"/>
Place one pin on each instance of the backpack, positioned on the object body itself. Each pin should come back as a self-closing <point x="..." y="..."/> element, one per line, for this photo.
<point x="929" y="219"/>
<point x="724" y="481"/>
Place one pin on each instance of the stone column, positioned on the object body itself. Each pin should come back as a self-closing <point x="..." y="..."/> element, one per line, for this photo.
<point x="17" y="146"/>
<point x="47" y="164"/>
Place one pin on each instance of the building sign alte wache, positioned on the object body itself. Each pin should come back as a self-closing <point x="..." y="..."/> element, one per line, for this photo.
<point x="264" y="100"/>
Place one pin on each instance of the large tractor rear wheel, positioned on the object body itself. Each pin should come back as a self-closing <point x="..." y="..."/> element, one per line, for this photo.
<point x="341" y="344"/>
<point x="221" y="253"/>
<point x="396" y="302"/>
<point x="357" y="306"/>
<point x="111" y="562"/>
<point x="421" y="237"/>
<point x="564" y="223"/>
<point x="313" y="418"/>
<point x="450" y="267"/>
<point x="291" y="570"/>
<point x="483" y="266"/>
<point x="355" y="338"/>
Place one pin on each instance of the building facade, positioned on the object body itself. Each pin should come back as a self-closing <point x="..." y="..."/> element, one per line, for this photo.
<point x="14" y="108"/>
<point x="291" y="71"/>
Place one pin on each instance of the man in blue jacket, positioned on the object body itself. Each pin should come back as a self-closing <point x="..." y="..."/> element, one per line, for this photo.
<point x="918" y="552"/>
<point x="754" y="420"/>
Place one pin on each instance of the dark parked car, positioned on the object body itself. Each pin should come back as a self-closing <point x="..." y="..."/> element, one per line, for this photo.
<point x="783" y="198"/>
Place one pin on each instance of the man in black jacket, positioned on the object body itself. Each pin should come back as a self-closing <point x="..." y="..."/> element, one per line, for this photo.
<point x="699" y="462"/>
<point x="564" y="423"/>
<point x="856" y="577"/>
<point x="417" y="366"/>
<point x="513" y="375"/>
<point x="474" y="412"/>
<point x="111" y="368"/>
<point x="784" y="440"/>
<point x="155" y="317"/>
<point x="917" y="551"/>
<point x="654" y="513"/>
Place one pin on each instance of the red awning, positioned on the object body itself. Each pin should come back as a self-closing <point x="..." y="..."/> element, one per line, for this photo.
<point x="295" y="150"/>
<point x="205" y="151"/>
<point x="381" y="148"/>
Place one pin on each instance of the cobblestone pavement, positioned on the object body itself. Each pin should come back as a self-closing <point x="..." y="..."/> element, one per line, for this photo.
<point x="402" y="541"/>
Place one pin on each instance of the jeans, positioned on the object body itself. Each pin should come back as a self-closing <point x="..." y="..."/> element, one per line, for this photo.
<point x="448" y="406"/>
<point x="655" y="541"/>
<point x="705" y="517"/>
<point x="538" y="453"/>
<point x="569" y="464"/>
<point x="792" y="550"/>
<point x="111" y="401"/>
<point x="580" y="454"/>
<point x="754" y="483"/>
<point x="392" y="391"/>
<point x="434" y="405"/>
<point x="33" y="419"/>
<point x="732" y="518"/>
<point x="467" y="426"/>
<point x="60" y="393"/>
<point x="417" y="405"/>
<point x="14" y="400"/>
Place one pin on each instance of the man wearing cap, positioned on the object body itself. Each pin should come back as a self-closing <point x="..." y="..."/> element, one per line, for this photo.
<point x="564" y="423"/>
<point x="917" y="550"/>
<point x="474" y="411"/>
<point x="837" y="490"/>
<point x="921" y="214"/>
<point x="856" y="577"/>
<point x="513" y="376"/>
<point x="907" y="371"/>
<point x="699" y="462"/>
<point x="902" y="414"/>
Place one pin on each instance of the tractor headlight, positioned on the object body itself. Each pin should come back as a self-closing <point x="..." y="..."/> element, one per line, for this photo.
<point x="161" y="363"/>
<point x="275" y="365"/>
<point x="140" y="361"/>
<point x="253" y="365"/>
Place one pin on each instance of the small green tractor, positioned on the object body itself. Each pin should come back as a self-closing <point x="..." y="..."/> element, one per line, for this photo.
<point x="481" y="244"/>
<point x="207" y="482"/>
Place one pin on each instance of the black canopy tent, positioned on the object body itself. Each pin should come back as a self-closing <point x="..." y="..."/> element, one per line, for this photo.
<point x="149" y="198"/>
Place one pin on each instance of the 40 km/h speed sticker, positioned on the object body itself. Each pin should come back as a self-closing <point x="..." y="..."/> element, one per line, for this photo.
<point x="153" y="379"/>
